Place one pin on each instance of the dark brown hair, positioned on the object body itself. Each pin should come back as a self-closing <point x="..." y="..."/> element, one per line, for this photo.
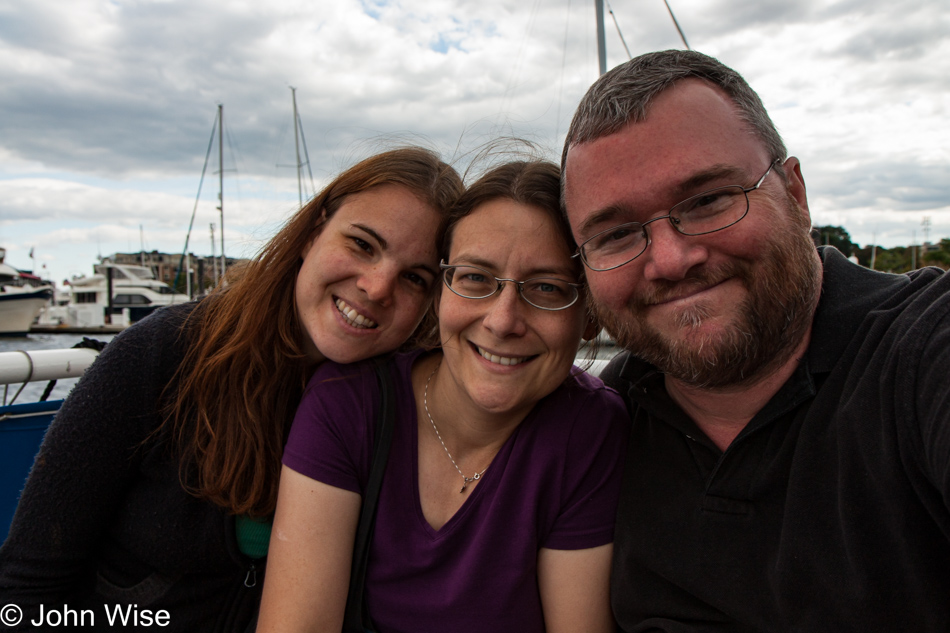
<point x="235" y="394"/>
<point x="534" y="182"/>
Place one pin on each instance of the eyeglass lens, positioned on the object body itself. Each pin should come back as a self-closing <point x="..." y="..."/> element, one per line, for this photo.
<point x="471" y="282"/>
<point x="707" y="212"/>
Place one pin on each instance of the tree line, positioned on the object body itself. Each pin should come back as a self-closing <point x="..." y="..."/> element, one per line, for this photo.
<point x="898" y="259"/>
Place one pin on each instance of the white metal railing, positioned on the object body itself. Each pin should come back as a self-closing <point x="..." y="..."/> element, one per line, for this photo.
<point x="41" y="365"/>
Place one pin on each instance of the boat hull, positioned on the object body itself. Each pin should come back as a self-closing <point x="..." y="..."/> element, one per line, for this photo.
<point x="22" y="427"/>
<point x="19" y="308"/>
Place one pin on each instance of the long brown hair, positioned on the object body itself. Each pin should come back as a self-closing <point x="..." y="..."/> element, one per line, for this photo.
<point x="234" y="395"/>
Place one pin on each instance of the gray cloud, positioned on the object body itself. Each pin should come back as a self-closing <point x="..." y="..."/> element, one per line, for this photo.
<point x="883" y="184"/>
<point x="107" y="108"/>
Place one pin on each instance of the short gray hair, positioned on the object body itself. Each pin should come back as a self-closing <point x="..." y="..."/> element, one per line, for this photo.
<point x="624" y="94"/>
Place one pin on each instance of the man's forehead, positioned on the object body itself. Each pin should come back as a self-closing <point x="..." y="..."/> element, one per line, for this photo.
<point x="690" y="103"/>
<point x="607" y="171"/>
<point x="690" y="129"/>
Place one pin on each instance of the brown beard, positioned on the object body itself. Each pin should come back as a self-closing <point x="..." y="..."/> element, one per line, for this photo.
<point x="783" y="289"/>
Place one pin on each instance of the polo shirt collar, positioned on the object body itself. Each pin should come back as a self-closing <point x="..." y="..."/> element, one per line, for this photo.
<point x="848" y="293"/>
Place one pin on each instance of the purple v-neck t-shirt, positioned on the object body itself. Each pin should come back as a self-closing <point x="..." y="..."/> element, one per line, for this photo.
<point x="554" y="484"/>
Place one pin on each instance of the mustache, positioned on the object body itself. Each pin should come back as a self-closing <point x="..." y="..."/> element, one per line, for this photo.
<point x="696" y="279"/>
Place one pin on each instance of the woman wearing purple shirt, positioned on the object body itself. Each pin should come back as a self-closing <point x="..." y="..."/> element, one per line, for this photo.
<point x="497" y="506"/>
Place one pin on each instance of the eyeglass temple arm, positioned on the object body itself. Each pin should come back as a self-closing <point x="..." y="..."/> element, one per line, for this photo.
<point x="764" y="176"/>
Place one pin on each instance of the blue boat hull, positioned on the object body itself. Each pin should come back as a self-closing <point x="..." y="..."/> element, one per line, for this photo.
<point x="22" y="427"/>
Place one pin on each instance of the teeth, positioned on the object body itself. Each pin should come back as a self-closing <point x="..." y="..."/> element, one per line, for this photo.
<point x="501" y="360"/>
<point x="353" y="317"/>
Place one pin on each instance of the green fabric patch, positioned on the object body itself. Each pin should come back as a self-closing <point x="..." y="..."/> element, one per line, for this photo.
<point x="253" y="535"/>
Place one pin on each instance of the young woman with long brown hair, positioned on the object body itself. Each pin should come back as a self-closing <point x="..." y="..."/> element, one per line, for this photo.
<point x="152" y="494"/>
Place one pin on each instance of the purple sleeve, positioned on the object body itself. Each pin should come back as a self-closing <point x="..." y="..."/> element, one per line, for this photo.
<point x="593" y="468"/>
<point x="331" y="436"/>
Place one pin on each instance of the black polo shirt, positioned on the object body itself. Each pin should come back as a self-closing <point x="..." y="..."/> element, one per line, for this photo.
<point x="829" y="511"/>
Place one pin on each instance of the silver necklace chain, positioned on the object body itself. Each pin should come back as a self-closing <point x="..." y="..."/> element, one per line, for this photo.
<point x="425" y="403"/>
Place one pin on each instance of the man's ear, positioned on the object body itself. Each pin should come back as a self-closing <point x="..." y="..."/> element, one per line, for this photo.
<point x="796" y="184"/>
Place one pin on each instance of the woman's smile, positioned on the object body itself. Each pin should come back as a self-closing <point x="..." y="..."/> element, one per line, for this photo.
<point x="500" y="359"/>
<point x="352" y="316"/>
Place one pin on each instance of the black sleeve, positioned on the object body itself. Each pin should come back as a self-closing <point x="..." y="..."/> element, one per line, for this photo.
<point x="931" y="404"/>
<point x="87" y="463"/>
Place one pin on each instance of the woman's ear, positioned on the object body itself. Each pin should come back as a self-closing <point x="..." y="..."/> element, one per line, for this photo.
<point x="427" y="332"/>
<point x="315" y="233"/>
<point x="308" y="246"/>
<point x="437" y="297"/>
<point x="591" y="329"/>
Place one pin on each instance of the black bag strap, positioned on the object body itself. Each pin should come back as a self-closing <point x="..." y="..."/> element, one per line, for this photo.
<point x="355" y="617"/>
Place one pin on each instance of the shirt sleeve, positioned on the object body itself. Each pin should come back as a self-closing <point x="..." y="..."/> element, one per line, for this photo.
<point x="87" y="462"/>
<point x="331" y="437"/>
<point x="592" y="471"/>
<point x="931" y="407"/>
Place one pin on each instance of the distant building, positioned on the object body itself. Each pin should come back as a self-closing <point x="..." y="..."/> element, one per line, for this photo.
<point x="165" y="268"/>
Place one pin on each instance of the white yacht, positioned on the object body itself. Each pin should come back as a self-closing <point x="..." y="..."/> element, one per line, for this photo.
<point x="21" y="298"/>
<point x="135" y="294"/>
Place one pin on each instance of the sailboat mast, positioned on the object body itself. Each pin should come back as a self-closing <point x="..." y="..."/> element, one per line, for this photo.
<point x="601" y="43"/>
<point x="214" y="262"/>
<point x="293" y="93"/>
<point x="677" y="25"/>
<point x="188" y="277"/>
<point x="221" y="181"/>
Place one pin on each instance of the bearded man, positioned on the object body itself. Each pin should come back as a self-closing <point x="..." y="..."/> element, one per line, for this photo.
<point x="789" y="464"/>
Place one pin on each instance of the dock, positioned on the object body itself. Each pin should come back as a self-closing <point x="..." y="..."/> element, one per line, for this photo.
<point x="71" y="329"/>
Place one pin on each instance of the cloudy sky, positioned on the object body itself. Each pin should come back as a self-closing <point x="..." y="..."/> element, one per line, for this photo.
<point x="107" y="107"/>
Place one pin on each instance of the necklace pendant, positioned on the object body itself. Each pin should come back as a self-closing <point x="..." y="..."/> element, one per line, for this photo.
<point x="463" y="488"/>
